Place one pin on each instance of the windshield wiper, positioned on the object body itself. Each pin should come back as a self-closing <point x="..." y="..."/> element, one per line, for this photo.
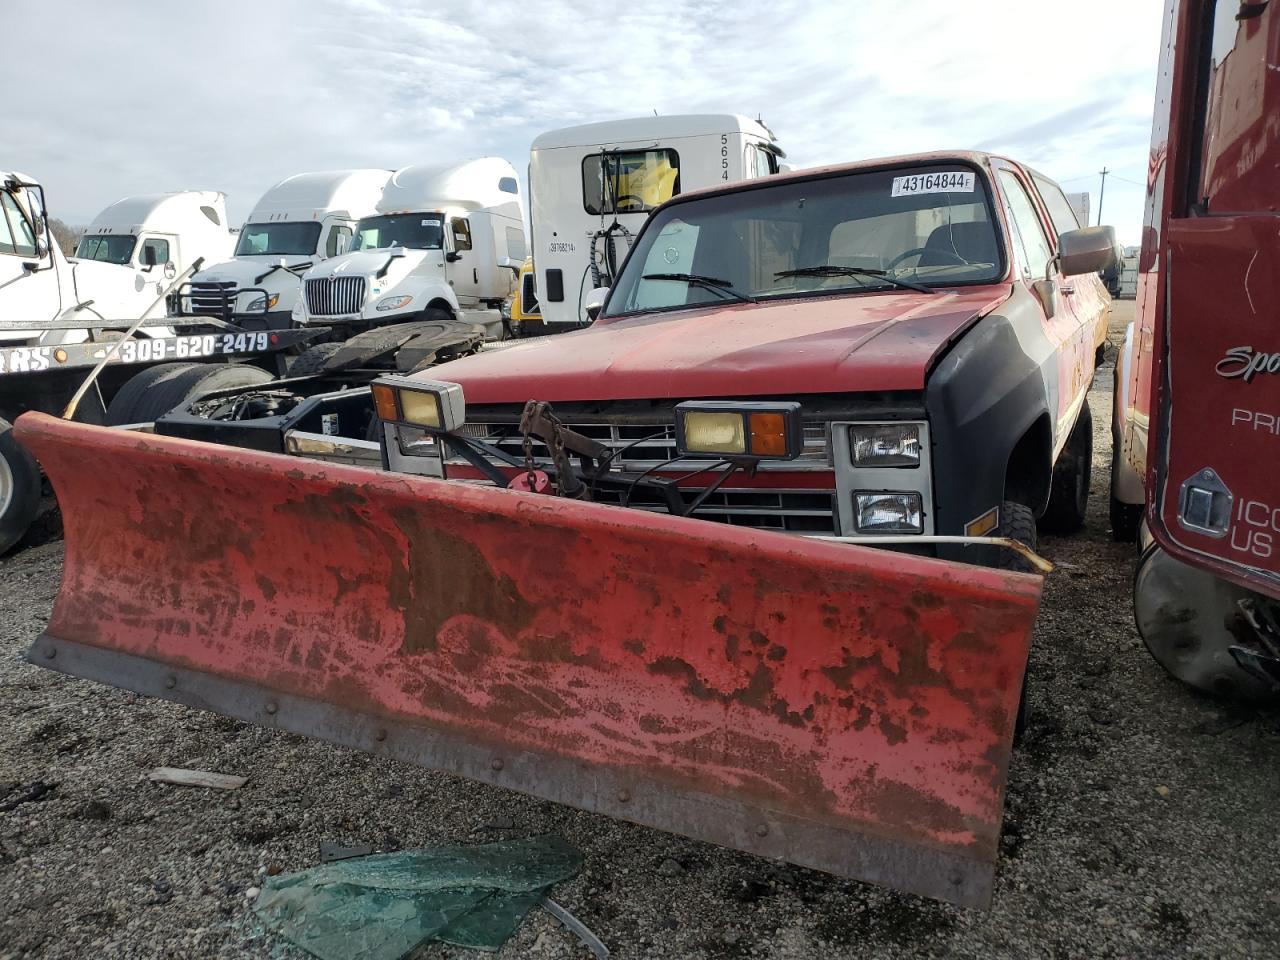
<point x="714" y="284"/>
<point x="832" y="270"/>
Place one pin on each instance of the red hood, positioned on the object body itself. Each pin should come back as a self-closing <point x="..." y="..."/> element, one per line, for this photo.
<point x="839" y="344"/>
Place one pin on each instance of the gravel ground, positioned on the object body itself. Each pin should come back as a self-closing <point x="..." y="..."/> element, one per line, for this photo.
<point x="1138" y="817"/>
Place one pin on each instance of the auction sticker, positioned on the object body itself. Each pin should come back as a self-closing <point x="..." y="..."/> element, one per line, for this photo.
<point x="952" y="181"/>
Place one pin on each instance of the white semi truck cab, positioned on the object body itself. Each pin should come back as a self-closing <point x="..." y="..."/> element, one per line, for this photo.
<point x="302" y="220"/>
<point x="36" y="281"/>
<point x="133" y="249"/>
<point x="592" y="187"/>
<point x="444" y="239"/>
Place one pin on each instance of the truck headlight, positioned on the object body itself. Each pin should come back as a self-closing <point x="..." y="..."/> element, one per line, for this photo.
<point x="729" y="430"/>
<point x="434" y="405"/>
<point x="884" y="444"/>
<point x="889" y="512"/>
<point x="393" y="303"/>
<point x="263" y="304"/>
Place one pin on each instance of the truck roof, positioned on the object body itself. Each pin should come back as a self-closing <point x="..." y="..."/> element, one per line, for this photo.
<point x="471" y="184"/>
<point x="311" y="196"/>
<point x="650" y="128"/>
<point x="159" y="211"/>
<point x="975" y="157"/>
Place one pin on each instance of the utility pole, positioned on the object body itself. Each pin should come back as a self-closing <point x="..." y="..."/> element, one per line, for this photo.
<point x="1102" y="190"/>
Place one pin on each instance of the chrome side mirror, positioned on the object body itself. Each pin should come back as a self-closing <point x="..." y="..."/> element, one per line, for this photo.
<point x="595" y="302"/>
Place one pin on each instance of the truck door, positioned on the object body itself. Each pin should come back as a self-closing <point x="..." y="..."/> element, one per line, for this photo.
<point x="1215" y="497"/>
<point x="1069" y="350"/>
<point x="463" y="266"/>
<point x="153" y="253"/>
<point x="29" y="288"/>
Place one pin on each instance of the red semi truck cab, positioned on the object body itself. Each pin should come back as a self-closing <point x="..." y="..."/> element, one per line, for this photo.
<point x="1197" y="417"/>
<point x="934" y="320"/>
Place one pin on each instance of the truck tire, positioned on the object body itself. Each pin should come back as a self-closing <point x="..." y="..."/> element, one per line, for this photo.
<point x="160" y="389"/>
<point x="1017" y="522"/>
<point x="312" y="360"/>
<point x="1126" y="518"/>
<point x="1069" y="491"/>
<point x="19" y="488"/>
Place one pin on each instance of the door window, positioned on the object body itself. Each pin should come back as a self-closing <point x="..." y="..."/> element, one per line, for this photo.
<point x="1037" y="253"/>
<point x="629" y="181"/>
<point x="16" y="236"/>
<point x="339" y="240"/>
<point x="1055" y="201"/>
<point x="155" y="251"/>
<point x="461" y="234"/>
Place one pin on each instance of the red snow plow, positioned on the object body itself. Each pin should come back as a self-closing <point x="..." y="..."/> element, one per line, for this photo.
<point x="831" y="705"/>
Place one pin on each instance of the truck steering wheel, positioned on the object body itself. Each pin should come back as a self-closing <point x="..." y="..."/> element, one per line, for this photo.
<point x="920" y="251"/>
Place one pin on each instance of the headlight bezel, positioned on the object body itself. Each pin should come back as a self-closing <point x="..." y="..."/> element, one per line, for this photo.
<point x="765" y="430"/>
<point x="394" y="302"/>
<point x="263" y="303"/>
<point x="441" y="401"/>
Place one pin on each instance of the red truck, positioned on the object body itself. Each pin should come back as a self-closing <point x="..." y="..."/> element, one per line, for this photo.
<point x="892" y="353"/>
<point x="1197" y="401"/>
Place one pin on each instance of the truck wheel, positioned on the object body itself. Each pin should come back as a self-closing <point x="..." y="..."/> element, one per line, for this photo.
<point x="1017" y="522"/>
<point x="312" y="360"/>
<point x="1126" y="518"/>
<point x="19" y="488"/>
<point x="1069" y="492"/>
<point x="160" y="389"/>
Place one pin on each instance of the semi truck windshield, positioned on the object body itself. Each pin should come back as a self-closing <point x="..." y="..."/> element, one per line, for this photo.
<point x="284" y="239"/>
<point x="417" y="231"/>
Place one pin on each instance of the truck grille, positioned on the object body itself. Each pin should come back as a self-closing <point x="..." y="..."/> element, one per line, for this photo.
<point x="213" y="299"/>
<point x="785" y="509"/>
<point x="648" y="444"/>
<point x="335" y="296"/>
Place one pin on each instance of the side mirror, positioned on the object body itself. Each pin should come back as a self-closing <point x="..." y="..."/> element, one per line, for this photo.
<point x="42" y="248"/>
<point x="1087" y="250"/>
<point x="453" y="256"/>
<point x="595" y="302"/>
<point x="170" y="270"/>
<point x="149" y="256"/>
<point x="510" y="264"/>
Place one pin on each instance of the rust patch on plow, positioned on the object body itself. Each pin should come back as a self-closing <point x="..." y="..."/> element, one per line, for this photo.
<point x="868" y="694"/>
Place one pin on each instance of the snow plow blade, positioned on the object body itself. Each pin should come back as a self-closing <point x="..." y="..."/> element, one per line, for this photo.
<point x="834" y="706"/>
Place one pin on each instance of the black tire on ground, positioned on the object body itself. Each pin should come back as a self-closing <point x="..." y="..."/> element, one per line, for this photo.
<point x="156" y="391"/>
<point x="1126" y="518"/>
<point x="19" y="488"/>
<point x="435" y="314"/>
<point x="1017" y="522"/>
<point x="312" y="360"/>
<point x="1069" y="491"/>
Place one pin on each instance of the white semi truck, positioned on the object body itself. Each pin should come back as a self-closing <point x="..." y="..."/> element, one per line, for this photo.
<point x="445" y="240"/>
<point x="132" y="250"/>
<point x="591" y="187"/>
<point x="300" y="221"/>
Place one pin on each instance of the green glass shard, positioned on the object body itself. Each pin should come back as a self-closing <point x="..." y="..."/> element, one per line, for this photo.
<point x="384" y="906"/>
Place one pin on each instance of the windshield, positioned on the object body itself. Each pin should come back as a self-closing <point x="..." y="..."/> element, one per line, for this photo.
<point x="418" y="231"/>
<point x="281" y="239"/>
<point x="927" y="226"/>
<point x="108" y="249"/>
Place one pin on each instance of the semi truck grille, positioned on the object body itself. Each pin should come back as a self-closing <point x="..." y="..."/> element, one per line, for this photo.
<point x="213" y="299"/>
<point x="335" y="296"/>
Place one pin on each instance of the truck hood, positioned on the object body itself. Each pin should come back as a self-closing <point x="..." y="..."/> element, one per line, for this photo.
<point x="244" y="271"/>
<point x="367" y="263"/>
<point x="837" y="344"/>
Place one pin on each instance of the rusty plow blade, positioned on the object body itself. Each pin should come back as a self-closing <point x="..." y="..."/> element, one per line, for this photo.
<point x="838" y="707"/>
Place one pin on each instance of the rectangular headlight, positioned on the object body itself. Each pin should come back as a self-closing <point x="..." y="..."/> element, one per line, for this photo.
<point x="884" y="444"/>
<point x="886" y="513"/>
<point x="732" y="430"/>
<point x="432" y="404"/>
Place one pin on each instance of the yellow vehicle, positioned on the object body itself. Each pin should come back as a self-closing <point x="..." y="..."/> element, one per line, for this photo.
<point x="521" y="310"/>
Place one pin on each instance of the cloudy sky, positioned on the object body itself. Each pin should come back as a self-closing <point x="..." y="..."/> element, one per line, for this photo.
<point x="111" y="99"/>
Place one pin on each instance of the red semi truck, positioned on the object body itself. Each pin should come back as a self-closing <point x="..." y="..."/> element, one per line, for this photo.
<point x="1197" y="408"/>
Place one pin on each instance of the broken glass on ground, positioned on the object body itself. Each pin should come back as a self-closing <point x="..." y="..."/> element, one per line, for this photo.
<point x="384" y="906"/>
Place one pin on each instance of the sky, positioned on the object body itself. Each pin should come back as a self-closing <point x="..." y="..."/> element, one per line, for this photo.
<point x="113" y="99"/>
